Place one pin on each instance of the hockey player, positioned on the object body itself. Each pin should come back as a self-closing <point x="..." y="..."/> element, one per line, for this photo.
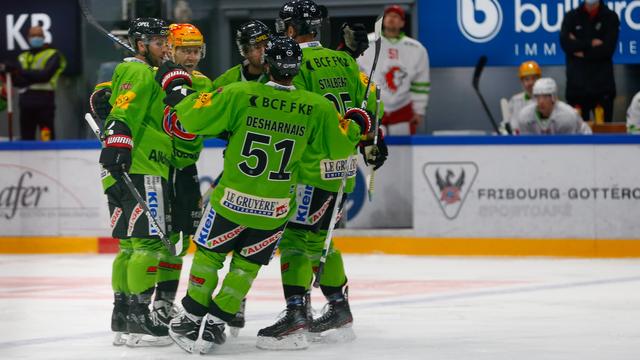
<point x="251" y="39"/>
<point x="271" y="126"/>
<point x="548" y="115"/>
<point x="633" y="115"/>
<point x="335" y="75"/>
<point x="135" y="143"/>
<point x="403" y="74"/>
<point x="528" y="73"/>
<point x="186" y="48"/>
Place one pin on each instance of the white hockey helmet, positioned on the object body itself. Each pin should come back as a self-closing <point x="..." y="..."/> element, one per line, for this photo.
<point x="545" y="86"/>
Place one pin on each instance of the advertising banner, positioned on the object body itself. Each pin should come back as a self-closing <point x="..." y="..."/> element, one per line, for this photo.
<point x="58" y="192"/>
<point x="458" y="32"/>
<point x="527" y="191"/>
<point x="51" y="193"/>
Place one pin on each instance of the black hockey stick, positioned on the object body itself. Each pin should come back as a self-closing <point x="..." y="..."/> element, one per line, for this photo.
<point x="482" y="61"/>
<point x="345" y="174"/>
<point x="91" y="20"/>
<point x="136" y="194"/>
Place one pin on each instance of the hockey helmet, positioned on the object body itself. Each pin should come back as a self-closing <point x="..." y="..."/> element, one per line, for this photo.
<point x="185" y="35"/>
<point x="145" y="28"/>
<point x="284" y="56"/>
<point x="250" y="34"/>
<point x="304" y="15"/>
<point x="545" y="86"/>
<point x="529" y="68"/>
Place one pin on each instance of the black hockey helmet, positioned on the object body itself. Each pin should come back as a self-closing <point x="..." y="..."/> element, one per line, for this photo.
<point x="283" y="55"/>
<point x="145" y="28"/>
<point x="250" y="34"/>
<point x="304" y="15"/>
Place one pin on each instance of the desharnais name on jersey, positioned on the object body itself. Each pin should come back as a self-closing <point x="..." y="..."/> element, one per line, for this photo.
<point x="271" y="127"/>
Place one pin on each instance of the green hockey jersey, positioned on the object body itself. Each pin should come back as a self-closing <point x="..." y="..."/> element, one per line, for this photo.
<point x="186" y="146"/>
<point x="271" y="127"/>
<point x="336" y="76"/>
<point x="235" y="74"/>
<point x="137" y="101"/>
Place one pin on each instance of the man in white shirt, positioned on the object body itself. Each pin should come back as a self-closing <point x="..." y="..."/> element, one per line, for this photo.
<point x="402" y="73"/>
<point x="633" y="116"/>
<point x="528" y="73"/>
<point x="548" y="115"/>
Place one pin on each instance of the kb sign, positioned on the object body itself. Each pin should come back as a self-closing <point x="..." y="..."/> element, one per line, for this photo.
<point x="59" y="20"/>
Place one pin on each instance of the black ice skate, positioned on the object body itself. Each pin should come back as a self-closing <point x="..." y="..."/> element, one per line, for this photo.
<point x="163" y="312"/>
<point x="184" y="329"/>
<point x="335" y="323"/>
<point x="238" y="321"/>
<point x="289" y="332"/>
<point x="119" y="319"/>
<point x="212" y="334"/>
<point x="144" y="330"/>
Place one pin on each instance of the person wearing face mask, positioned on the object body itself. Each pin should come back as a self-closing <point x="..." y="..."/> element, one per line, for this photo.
<point x="37" y="75"/>
<point x="588" y="36"/>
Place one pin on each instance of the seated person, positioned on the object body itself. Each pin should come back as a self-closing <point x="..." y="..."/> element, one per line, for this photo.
<point x="633" y="116"/>
<point x="528" y="73"/>
<point x="548" y="115"/>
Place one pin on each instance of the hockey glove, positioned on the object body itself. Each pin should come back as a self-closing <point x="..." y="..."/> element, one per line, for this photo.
<point x="115" y="157"/>
<point x="171" y="75"/>
<point x="99" y="103"/>
<point x="376" y="154"/>
<point x="361" y="117"/>
<point x="353" y="39"/>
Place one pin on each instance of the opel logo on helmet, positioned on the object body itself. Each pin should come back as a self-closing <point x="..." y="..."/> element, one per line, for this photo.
<point x="289" y="52"/>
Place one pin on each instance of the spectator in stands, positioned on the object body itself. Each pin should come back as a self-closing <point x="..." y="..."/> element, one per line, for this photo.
<point x="37" y="73"/>
<point x="402" y="74"/>
<point x="528" y="73"/>
<point x="548" y="115"/>
<point x="589" y="36"/>
<point x="633" y="115"/>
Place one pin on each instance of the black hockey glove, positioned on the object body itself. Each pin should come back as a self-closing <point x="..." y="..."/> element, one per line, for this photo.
<point x="170" y="75"/>
<point x="372" y="154"/>
<point x="173" y="79"/>
<point x="361" y="117"/>
<point x="115" y="157"/>
<point x="99" y="103"/>
<point x="353" y="39"/>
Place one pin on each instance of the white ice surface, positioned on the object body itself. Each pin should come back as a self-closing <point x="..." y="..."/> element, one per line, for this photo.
<point x="58" y="307"/>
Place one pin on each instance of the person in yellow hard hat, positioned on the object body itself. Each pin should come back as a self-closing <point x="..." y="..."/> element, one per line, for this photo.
<point x="528" y="73"/>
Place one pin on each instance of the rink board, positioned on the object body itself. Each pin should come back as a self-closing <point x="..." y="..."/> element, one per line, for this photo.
<point x="541" y="196"/>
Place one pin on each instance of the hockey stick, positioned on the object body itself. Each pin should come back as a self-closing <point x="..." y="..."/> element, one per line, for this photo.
<point x="376" y="125"/>
<point x="173" y="249"/>
<point x="9" y="84"/>
<point x="345" y="174"/>
<point x="482" y="61"/>
<point x="91" y="20"/>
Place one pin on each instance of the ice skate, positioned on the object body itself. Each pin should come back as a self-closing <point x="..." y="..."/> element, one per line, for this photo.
<point x="212" y="334"/>
<point x="144" y="330"/>
<point x="119" y="319"/>
<point x="289" y="332"/>
<point x="184" y="330"/>
<point x="335" y="324"/>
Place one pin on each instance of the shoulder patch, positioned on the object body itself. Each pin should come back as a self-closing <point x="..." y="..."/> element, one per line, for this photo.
<point x="203" y="100"/>
<point x="125" y="99"/>
<point x="365" y="80"/>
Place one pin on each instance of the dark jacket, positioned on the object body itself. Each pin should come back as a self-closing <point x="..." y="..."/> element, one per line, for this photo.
<point x="591" y="75"/>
